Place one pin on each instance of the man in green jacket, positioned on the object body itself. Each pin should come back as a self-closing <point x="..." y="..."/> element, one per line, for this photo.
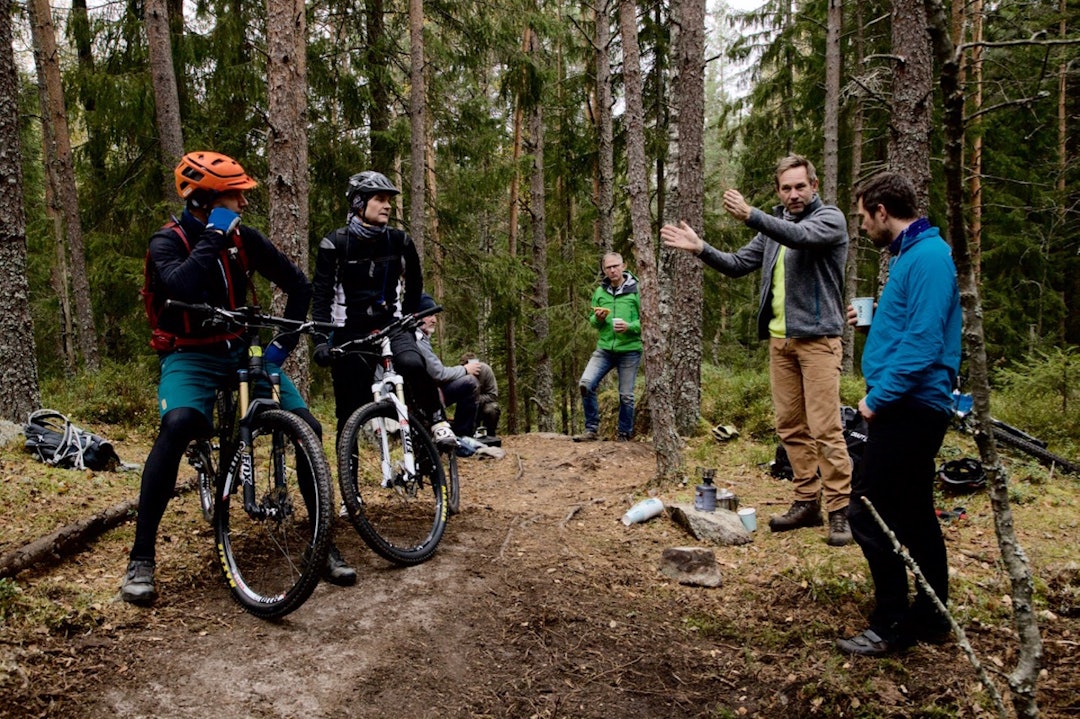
<point x="615" y="312"/>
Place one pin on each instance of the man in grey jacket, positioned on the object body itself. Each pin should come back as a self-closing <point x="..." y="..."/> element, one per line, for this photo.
<point x="458" y="383"/>
<point x="801" y="253"/>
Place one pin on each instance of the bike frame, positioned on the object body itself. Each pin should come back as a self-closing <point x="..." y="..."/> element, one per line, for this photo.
<point x="391" y="387"/>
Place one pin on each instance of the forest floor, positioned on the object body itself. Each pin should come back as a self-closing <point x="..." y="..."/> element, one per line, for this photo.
<point x="539" y="603"/>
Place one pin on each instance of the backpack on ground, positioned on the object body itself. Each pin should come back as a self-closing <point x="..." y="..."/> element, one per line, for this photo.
<point x="856" y="432"/>
<point x="56" y="441"/>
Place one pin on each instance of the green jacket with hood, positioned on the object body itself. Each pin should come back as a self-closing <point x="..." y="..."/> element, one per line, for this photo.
<point x="624" y="303"/>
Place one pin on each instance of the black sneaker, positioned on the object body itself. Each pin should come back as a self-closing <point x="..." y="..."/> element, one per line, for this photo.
<point x="800" y="514"/>
<point x="588" y="435"/>
<point x="869" y="643"/>
<point x="623" y="437"/>
<point x="138" y="586"/>
<point x="337" y="571"/>
<point x="839" y="530"/>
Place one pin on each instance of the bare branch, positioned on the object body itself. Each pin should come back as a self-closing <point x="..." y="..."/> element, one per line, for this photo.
<point x="961" y="638"/>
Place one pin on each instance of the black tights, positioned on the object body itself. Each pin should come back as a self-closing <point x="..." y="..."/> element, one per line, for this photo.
<point x="178" y="428"/>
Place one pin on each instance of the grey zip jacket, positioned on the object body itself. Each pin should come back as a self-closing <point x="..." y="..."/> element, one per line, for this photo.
<point x="817" y="245"/>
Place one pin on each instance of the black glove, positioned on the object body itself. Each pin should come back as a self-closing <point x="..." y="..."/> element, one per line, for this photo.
<point x="321" y="355"/>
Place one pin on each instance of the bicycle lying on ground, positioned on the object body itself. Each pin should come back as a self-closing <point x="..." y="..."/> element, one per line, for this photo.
<point x="389" y="470"/>
<point x="1010" y="436"/>
<point x="272" y="543"/>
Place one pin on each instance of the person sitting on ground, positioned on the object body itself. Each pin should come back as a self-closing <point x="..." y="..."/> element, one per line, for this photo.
<point x="487" y="396"/>
<point x="458" y="383"/>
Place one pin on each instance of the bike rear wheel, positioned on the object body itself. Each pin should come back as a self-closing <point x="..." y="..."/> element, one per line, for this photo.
<point x="400" y="515"/>
<point x="1046" y="457"/>
<point x="201" y="456"/>
<point x="274" y="556"/>
<point x="453" y="484"/>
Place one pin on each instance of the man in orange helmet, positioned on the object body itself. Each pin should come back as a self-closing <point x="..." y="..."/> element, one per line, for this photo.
<point x="205" y="256"/>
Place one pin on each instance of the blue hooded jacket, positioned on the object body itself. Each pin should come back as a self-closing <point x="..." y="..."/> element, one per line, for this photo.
<point x="913" y="350"/>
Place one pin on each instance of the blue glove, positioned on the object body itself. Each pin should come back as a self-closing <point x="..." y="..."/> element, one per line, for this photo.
<point x="274" y="353"/>
<point x="222" y="220"/>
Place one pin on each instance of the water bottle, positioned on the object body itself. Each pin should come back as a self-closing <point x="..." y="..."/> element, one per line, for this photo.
<point x="705" y="496"/>
<point x="644" y="510"/>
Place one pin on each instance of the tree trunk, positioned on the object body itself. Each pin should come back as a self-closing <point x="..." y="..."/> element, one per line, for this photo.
<point x="851" y="269"/>
<point x="79" y="25"/>
<point x="683" y="272"/>
<point x="1022" y="680"/>
<point x="417" y="200"/>
<point x="287" y="156"/>
<point x="166" y="100"/>
<point x="605" y="180"/>
<point x="912" y="92"/>
<point x="378" y="63"/>
<point x="831" y="166"/>
<point x="61" y="172"/>
<point x="665" y="439"/>
<point x="544" y="384"/>
<point x="72" y="537"/>
<point x="512" y="403"/>
<point x="18" y="361"/>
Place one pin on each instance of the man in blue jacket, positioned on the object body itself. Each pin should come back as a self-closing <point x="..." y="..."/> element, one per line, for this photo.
<point x="801" y="251"/>
<point x="910" y="362"/>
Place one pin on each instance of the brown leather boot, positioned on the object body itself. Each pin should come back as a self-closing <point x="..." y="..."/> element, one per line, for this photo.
<point x="801" y="514"/>
<point x="839" y="531"/>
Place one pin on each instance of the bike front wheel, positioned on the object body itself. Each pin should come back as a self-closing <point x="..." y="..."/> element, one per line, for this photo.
<point x="273" y="552"/>
<point x="400" y="512"/>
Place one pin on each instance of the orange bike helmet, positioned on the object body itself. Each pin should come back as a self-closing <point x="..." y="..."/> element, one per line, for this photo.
<point x="210" y="172"/>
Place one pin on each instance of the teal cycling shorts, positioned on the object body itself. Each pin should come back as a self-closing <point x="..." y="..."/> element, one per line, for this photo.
<point x="191" y="379"/>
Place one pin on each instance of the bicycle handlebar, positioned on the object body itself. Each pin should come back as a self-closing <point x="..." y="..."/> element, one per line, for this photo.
<point x="251" y="317"/>
<point x="411" y="321"/>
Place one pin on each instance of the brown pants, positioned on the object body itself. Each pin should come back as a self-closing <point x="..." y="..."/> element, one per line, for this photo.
<point x="805" y="378"/>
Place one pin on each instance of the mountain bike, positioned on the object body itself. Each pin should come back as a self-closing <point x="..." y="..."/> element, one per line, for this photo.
<point x="273" y="541"/>
<point x="389" y="470"/>
<point x="1010" y="436"/>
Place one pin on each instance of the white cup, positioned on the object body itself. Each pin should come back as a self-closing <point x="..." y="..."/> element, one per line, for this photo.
<point x="749" y="518"/>
<point x="864" y="310"/>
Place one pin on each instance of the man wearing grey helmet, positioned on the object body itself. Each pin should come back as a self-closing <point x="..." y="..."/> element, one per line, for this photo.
<point x="366" y="275"/>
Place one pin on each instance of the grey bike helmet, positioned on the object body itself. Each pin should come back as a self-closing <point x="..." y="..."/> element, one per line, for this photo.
<point x="363" y="185"/>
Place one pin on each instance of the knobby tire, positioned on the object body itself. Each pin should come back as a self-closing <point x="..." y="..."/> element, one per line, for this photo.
<point x="273" y="563"/>
<point x="404" y="522"/>
<point x="453" y="484"/>
<point x="1048" y="458"/>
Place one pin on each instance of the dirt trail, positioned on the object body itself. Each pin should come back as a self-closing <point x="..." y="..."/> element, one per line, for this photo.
<point x="539" y="603"/>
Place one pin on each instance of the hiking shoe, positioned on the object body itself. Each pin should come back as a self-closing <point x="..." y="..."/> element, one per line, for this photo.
<point x="839" y="531"/>
<point x="801" y="514"/>
<point x="622" y="437"/>
<point x="337" y="571"/>
<point x="444" y="437"/>
<point x="588" y="435"/>
<point x="869" y="644"/>
<point x="138" y="586"/>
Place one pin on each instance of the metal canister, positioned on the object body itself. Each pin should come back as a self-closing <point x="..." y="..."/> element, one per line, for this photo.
<point x="705" y="497"/>
<point x="726" y="499"/>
